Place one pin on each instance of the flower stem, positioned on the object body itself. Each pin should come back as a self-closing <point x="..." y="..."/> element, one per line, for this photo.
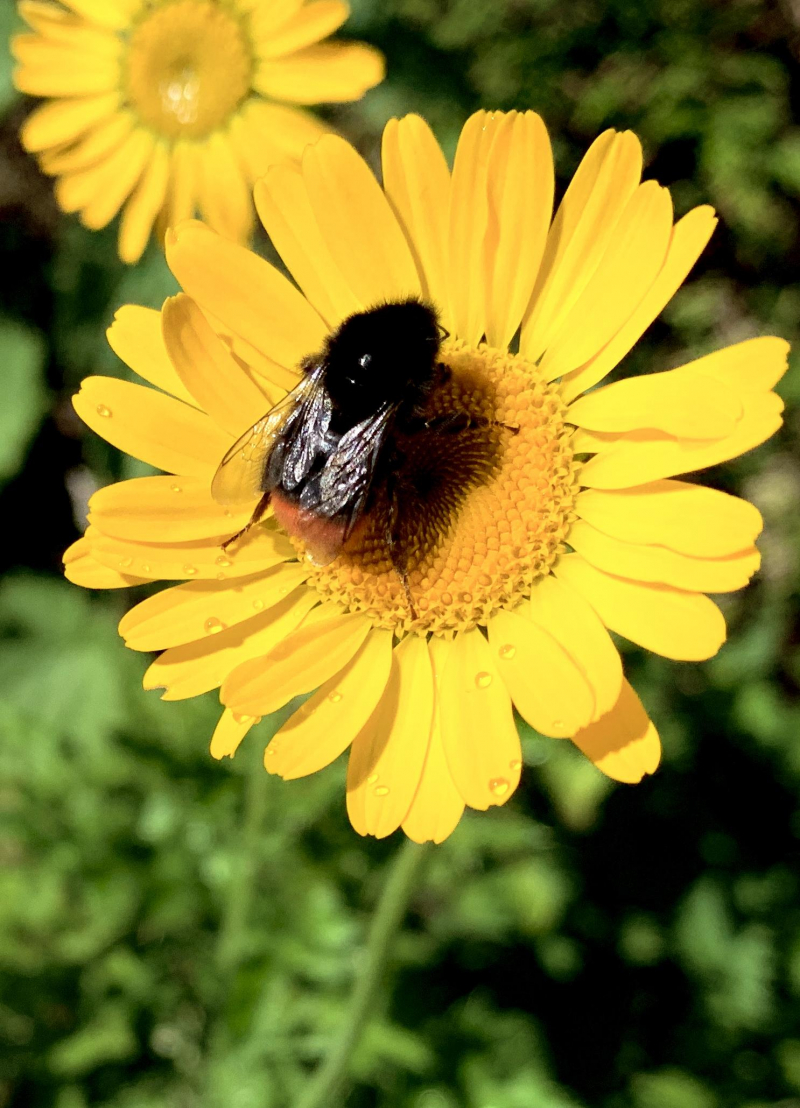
<point x="325" y="1086"/>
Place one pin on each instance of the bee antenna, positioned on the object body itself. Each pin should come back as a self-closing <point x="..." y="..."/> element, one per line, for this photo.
<point x="445" y="332"/>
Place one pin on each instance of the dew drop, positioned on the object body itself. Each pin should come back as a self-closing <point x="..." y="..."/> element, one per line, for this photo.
<point x="176" y="488"/>
<point x="515" y="765"/>
<point x="237" y="718"/>
<point x="190" y="570"/>
<point x="213" y="626"/>
<point x="228" y="515"/>
<point x="258" y="605"/>
<point x="270" y="752"/>
<point x="223" y="561"/>
<point x="334" y="697"/>
<point x="145" y="567"/>
<point x="507" y="652"/>
<point x="220" y="576"/>
<point x="558" y="725"/>
<point x="499" y="786"/>
<point x="373" y="777"/>
<point x="103" y="411"/>
<point x="483" y="680"/>
<point x="382" y="790"/>
<point x="125" y="563"/>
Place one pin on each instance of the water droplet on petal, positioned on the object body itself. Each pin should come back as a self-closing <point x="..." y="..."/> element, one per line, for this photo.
<point x="515" y="765"/>
<point x="176" y="488"/>
<point x="223" y="561"/>
<point x="483" y="680"/>
<point x="220" y="576"/>
<point x="507" y="652"/>
<point x="125" y="563"/>
<point x="334" y="697"/>
<point x="270" y="752"/>
<point x="382" y="790"/>
<point x="258" y="605"/>
<point x="499" y="786"/>
<point x="558" y="725"/>
<point x="228" y="515"/>
<point x="190" y="570"/>
<point x="145" y="567"/>
<point x="213" y="626"/>
<point x="103" y="411"/>
<point x="238" y="718"/>
<point x="373" y="777"/>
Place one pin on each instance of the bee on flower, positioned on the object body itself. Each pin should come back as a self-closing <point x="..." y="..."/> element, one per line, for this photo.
<point x="515" y="511"/>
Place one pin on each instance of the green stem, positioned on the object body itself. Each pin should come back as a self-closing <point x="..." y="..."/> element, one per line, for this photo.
<point x="325" y="1086"/>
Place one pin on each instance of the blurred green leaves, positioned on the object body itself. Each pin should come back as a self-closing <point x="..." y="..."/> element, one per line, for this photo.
<point x="23" y="397"/>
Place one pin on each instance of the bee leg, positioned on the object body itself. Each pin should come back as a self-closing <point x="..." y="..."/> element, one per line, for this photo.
<point x="398" y="562"/>
<point x="456" y="422"/>
<point x="258" y="512"/>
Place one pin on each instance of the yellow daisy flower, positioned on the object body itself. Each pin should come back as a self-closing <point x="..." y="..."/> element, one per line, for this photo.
<point x="577" y="528"/>
<point x="165" y="107"/>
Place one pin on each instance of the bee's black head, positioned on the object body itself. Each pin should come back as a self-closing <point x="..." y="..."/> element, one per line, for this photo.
<point x="385" y="355"/>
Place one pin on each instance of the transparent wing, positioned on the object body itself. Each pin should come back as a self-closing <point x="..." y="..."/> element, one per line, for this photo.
<point x="239" y="478"/>
<point x="345" y="482"/>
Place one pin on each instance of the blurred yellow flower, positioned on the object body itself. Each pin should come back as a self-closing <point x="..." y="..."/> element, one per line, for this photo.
<point x="165" y="107"/>
<point x="578" y="528"/>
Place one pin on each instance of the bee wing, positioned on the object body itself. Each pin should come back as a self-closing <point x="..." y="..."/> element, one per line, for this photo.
<point x="344" y="484"/>
<point x="239" y="478"/>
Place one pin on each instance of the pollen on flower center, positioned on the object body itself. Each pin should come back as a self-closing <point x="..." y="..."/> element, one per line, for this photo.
<point x="189" y="66"/>
<point x="483" y="510"/>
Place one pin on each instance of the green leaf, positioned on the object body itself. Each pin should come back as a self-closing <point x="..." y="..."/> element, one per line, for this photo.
<point x="22" y="356"/>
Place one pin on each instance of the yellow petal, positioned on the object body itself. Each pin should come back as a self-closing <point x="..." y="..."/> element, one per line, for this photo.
<point x="208" y="369"/>
<point x="662" y="566"/>
<point x="82" y="569"/>
<point x="184" y="185"/>
<point x="143" y="207"/>
<point x="224" y="195"/>
<point x="681" y="403"/>
<point x="521" y="183"/>
<point x="437" y="805"/>
<point x="50" y="68"/>
<point x="115" y="14"/>
<point x="585" y="222"/>
<point x="314" y="21"/>
<point x="229" y="732"/>
<point x="682" y="625"/>
<point x="285" y="210"/>
<point x="151" y="426"/>
<point x="135" y="337"/>
<point x="478" y="731"/>
<point x="326" y="73"/>
<point x="547" y="686"/>
<point x="467" y="223"/>
<point x="325" y="725"/>
<point x="161" y="509"/>
<point x="113" y="180"/>
<point x="197" y="667"/>
<point x="625" y="460"/>
<point x="693" y="520"/>
<point x="417" y="183"/>
<point x="99" y="143"/>
<point x="625" y="272"/>
<point x="573" y="623"/>
<point x="623" y="744"/>
<point x="272" y="324"/>
<point x="202" y="560"/>
<point x="265" y="19"/>
<point x="64" y="121"/>
<point x="755" y="365"/>
<point x="689" y="238"/>
<point x="304" y="660"/>
<point x="357" y="224"/>
<point x="197" y="609"/>
<point x="278" y="128"/>
<point x="388" y="754"/>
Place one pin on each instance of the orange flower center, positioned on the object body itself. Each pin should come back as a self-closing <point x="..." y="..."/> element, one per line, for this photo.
<point x="189" y="67"/>
<point x="483" y="511"/>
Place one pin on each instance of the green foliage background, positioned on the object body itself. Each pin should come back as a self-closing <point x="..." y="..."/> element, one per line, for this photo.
<point x="176" y="932"/>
